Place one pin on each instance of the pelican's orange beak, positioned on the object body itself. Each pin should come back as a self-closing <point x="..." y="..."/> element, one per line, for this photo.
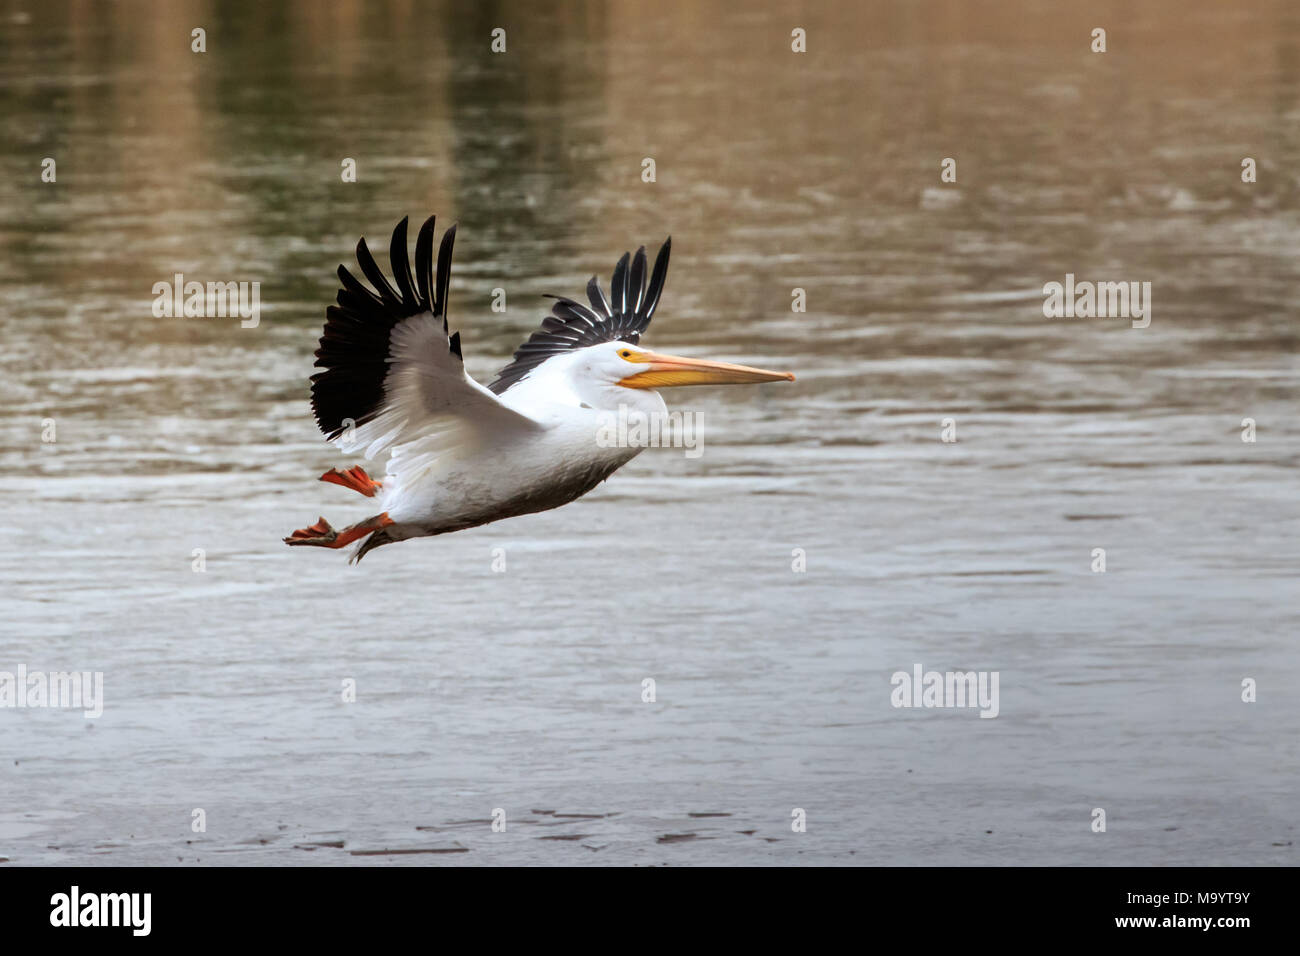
<point x="663" y="371"/>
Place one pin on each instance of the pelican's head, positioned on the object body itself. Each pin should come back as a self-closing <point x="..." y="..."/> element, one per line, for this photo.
<point x="620" y="373"/>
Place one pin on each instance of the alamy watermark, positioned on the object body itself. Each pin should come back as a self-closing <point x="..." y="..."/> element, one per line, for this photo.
<point x="215" y="300"/>
<point x="631" y="428"/>
<point x="946" y="689"/>
<point x="130" y="910"/>
<point x="1100" y="300"/>
<point x="66" y="690"/>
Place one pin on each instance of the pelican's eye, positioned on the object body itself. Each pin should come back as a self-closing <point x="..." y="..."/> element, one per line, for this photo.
<point x="626" y="353"/>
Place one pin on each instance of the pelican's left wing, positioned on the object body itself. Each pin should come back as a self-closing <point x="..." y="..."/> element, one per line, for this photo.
<point x="392" y="374"/>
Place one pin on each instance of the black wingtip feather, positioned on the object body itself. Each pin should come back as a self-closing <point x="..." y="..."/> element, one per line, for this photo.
<point x="637" y="282"/>
<point x="444" y="273"/>
<point x="400" y="260"/>
<point x="597" y="297"/>
<point x="657" y="277"/>
<point x="376" y="276"/>
<point x="424" y="262"/>
<point x="618" y="286"/>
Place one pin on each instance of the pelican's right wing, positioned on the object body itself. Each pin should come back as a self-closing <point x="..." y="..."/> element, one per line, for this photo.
<point x="624" y="316"/>
<point x="392" y="375"/>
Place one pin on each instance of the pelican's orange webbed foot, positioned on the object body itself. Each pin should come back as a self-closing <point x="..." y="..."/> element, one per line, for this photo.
<point x="354" y="478"/>
<point x="322" y="535"/>
<point x="319" y="533"/>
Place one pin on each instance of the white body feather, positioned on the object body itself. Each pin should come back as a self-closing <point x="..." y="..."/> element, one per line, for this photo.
<point x="460" y="456"/>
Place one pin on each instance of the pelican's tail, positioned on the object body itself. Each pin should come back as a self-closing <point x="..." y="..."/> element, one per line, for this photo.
<point x="379" y="538"/>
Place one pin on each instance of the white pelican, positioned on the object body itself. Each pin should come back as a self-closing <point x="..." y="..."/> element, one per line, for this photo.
<point x="462" y="455"/>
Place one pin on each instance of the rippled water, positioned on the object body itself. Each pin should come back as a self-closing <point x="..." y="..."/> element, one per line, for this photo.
<point x="522" y="690"/>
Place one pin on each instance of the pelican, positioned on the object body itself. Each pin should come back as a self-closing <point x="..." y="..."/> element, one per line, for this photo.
<point x="461" y="455"/>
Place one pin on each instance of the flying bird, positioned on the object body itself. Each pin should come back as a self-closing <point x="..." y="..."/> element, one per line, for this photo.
<point x="460" y="455"/>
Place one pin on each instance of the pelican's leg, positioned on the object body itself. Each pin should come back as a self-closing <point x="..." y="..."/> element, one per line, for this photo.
<point x="354" y="478"/>
<point x="323" y="535"/>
